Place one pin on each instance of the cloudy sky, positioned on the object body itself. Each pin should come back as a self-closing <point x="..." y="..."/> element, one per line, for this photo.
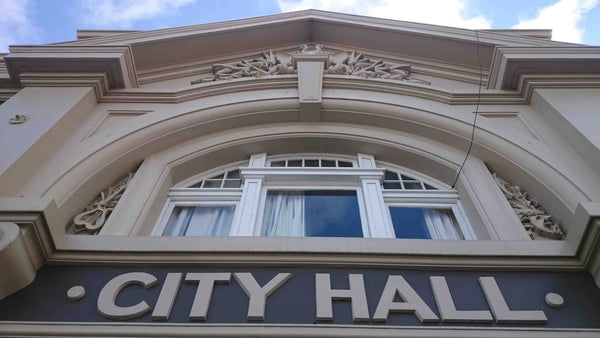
<point x="43" y="21"/>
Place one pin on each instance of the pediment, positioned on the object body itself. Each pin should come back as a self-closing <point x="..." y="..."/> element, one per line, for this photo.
<point x="207" y="42"/>
<point x="136" y="58"/>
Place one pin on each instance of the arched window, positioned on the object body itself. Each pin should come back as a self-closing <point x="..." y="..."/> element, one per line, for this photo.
<point x="314" y="195"/>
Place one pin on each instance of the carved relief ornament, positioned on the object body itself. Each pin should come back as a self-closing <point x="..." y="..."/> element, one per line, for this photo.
<point x="534" y="218"/>
<point x="344" y="63"/>
<point x="95" y="215"/>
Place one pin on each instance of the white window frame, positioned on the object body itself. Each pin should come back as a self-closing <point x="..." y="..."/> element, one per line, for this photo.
<point x="364" y="177"/>
<point x="283" y="187"/>
<point x="195" y="197"/>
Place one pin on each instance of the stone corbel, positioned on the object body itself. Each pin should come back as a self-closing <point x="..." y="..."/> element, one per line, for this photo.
<point x="310" y="63"/>
<point x="16" y="265"/>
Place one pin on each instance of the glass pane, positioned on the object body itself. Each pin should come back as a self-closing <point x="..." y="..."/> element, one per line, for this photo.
<point x="232" y="184"/>
<point x="413" y="185"/>
<point x="407" y="178"/>
<point x="212" y="183"/>
<point x="311" y="163"/>
<point x="392" y="185"/>
<point x="294" y="163"/>
<point x="428" y="187"/>
<point x="409" y="223"/>
<point x="327" y="163"/>
<point x="233" y="174"/>
<point x="313" y="213"/>
<point x="278" y="164"/>
<point x="331" y="213"/>
<point x="218" y="176"/>
<point x="344" y="164"/>
<point x="200" y="221"/>
<point x="424" y="223"/>
<point x="389" y="175"/>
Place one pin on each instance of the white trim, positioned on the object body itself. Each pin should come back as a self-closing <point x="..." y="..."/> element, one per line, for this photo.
<point x="116" y="329"/>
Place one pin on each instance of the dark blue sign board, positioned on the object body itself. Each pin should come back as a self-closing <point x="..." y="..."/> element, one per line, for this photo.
<point x="294" y="301"/>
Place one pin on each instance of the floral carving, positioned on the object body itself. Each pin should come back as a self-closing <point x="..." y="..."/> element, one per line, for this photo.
<point x="353" y="64"/>
<point x="533" y="217"/>
<point x="266" y="64"/>
<point x="356" y="64"/>
<point x="95" y="215"/>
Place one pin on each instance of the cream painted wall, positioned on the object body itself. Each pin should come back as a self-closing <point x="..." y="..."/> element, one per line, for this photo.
<point x="52" y="113"/>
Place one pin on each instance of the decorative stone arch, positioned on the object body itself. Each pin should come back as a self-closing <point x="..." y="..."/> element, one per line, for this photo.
<point x="375" y="126"/>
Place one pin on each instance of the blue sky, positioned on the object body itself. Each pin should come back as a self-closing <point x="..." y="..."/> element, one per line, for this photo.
<point x="44" y="21"/>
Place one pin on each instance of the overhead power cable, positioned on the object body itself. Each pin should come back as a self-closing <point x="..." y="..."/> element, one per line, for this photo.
<point x="476" y="113"/>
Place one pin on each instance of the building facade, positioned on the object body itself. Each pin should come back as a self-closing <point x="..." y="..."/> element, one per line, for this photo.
<point x="307" y="174"/>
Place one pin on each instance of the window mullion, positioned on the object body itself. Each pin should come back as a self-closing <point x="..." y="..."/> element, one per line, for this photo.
<point x="377" y="215"/>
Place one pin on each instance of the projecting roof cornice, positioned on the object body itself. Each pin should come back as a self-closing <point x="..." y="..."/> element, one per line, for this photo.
<point x="509" y="64"/>
<point x="115" y="62"/>
<point x="179" y="45"/>
<point x="124" y="59"/>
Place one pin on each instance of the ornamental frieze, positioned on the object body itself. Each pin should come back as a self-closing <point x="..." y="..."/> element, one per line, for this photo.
<point x="343" y="63"/>
<point x="534" y="218"/>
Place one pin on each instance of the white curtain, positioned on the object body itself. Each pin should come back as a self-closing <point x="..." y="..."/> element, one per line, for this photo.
<point x="440" y="223"/>
<point x="284" y="214"/>
<point x="201" y="221"/>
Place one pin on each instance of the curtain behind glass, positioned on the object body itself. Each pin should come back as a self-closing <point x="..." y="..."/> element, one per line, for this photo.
<point x="284" y="214"/>
<point x="441" y="223"/>
<point x="200" y="221"/>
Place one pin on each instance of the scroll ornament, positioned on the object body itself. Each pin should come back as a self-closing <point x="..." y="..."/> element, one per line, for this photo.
<point x="95" y="215"/>
<point x="343" y="63"/>
<point x="533" y="217"/>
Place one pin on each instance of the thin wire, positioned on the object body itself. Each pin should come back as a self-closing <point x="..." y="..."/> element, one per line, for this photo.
<point x="476" y="112"/>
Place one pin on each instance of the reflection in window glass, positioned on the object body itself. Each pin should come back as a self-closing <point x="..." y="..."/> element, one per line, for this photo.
<point x="200" y="221"/>
<point x="424" y="223"/>
<point x="312" y="213"/>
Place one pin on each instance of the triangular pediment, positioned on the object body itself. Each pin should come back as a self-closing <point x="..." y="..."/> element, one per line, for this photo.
<point x="182" y="45"/>
<point x="129" y="59"/>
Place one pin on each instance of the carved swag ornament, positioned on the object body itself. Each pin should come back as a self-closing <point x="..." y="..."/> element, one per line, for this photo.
<point x="344" y="63"/>
<point x="95" y="215"/>
<point x="533" y="217"/>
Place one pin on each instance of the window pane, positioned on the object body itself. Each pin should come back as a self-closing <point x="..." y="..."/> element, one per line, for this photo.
<point x="311" y="163"/>
<point x="200" y="221"/>
<point x="327" y="163"/>
<point x="313" y="213"/>
<point x="212" y="184"/>
<point x="344" y="164"/>
<point x="391" y="185"/>
<point x="413" y="185"/>
<point x="278" y="164"/>
<point x="294" y="163"/>
<point x="232" y="184"/>
<point x="392" y="176"/>
<point x="424" y="223"/>
<point x="233" y="174"/>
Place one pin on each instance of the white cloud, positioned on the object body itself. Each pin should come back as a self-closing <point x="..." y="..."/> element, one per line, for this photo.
<point x="123" y="13"/>
<point x="563" y="17"/>
<point x="438" y="12"/>
<point x="15" y="24"/>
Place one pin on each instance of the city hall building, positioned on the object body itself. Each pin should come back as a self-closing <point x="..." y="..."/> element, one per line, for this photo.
<point x="301" y="174"/>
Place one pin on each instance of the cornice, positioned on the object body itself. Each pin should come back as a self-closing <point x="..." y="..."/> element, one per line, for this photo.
<point x="509" y="63"/>
<point x="116" y="62"/>
<point x="99" y="81"/>
<point x="486" y="36"/>
<point x="522" y="94"/>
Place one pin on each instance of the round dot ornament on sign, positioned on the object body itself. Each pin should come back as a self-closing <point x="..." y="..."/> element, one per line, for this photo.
<point x="76" y="293"/>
